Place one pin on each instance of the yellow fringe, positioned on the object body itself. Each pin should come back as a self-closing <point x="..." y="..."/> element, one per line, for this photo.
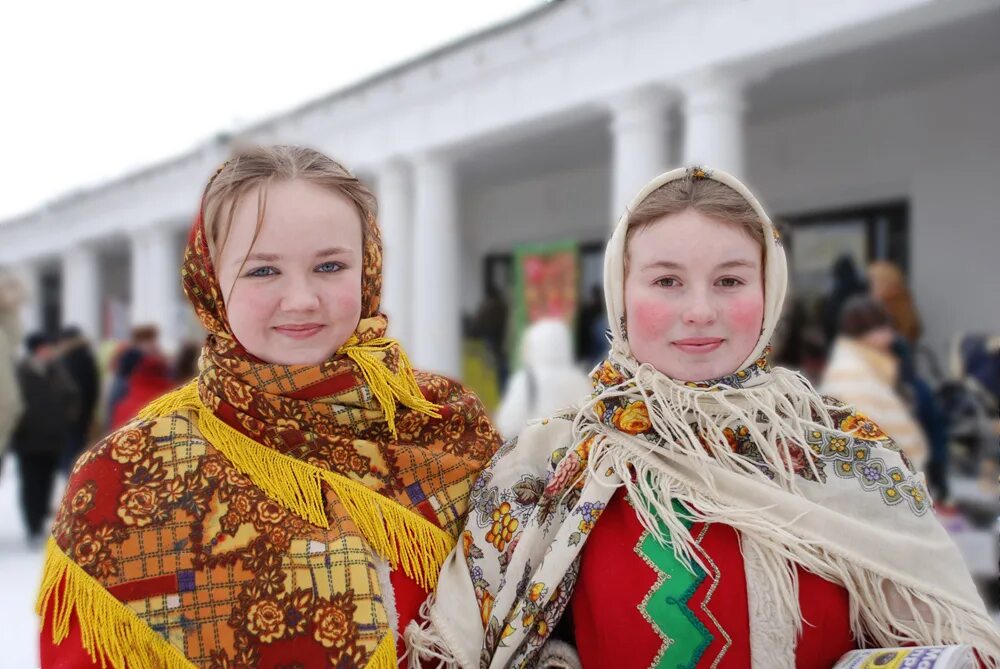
<point x="396" y="533"/>
<point x="185" y="397"/>
<point x="384" y="656"/>
<point x="388" y="387"/>
<point x="112" y="634"/>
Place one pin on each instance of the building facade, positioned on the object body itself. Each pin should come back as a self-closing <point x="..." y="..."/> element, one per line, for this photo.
<point x="868" y="126"/>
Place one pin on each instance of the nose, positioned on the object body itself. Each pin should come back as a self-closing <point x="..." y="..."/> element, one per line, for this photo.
<point x="300" y="295"/>
<point x="699" y="309"/>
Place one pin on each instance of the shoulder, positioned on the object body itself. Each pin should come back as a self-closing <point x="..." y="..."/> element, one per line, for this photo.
<point x="450" y="395"/>
<point x="141" y="439"/>
<point x="119" y="484"/>
<point x="865" y="433"/>
<point x="537" y="451"/>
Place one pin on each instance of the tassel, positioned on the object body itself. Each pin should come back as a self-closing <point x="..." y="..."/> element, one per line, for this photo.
<point x="388" y="387"/>
<point x="111" y="633"/>
<point x="400" y="536"/>
<point x="393" y="531"/>
<point x="424" y="642"/>
<point x="384" y="656"/>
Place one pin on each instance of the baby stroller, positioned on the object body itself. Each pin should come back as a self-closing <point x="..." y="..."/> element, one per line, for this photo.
<point x="971" y="401"/>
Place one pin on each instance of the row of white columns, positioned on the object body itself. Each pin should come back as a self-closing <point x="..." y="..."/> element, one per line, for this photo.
<point x="419" y="215"/>
<point x="154" y="286"/>
<point x="418" y="199"/>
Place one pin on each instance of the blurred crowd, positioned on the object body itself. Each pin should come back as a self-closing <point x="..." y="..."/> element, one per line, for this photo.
<point x="58" y="395"/>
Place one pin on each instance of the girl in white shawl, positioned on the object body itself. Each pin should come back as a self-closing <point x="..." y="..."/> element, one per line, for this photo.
<point x="701" y="509"/>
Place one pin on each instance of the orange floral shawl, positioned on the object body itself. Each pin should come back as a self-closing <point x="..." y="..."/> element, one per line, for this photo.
<point x="250" y="518"/>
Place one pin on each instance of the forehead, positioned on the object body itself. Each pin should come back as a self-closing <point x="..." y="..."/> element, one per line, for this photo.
<point x="692" y="238"/>
<point x="296" y="213"/>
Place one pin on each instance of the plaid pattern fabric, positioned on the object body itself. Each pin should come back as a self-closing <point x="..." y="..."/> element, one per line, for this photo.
<point x="228" y="575"/>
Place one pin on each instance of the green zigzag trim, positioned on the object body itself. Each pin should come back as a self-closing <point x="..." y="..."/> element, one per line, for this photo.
<point x="666" y="606"/>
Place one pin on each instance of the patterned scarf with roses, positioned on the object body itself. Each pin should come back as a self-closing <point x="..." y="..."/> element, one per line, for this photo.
<point x="806" y="481"/>
<point x="251" y="518"/>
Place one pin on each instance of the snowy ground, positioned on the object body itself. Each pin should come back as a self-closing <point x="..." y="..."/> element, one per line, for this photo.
<point x="20" y="567"/>
<point x="20" y="572"/>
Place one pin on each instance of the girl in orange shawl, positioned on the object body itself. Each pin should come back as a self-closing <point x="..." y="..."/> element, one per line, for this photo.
<point x="293" y="504"/>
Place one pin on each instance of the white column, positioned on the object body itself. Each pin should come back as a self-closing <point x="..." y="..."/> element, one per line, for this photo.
<point x="713" y="121"/>
<point x="639" y="132"/>
<point x="397" y="248"/>
<point x="436" y="333"/>
<point x="81" y="292"/>
<point x="138" y="264"/>
<point x="28" y="275"/>
<point x="155" y="282"/>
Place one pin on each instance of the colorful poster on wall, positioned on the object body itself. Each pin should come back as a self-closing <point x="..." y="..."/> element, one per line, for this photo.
<point x="546" y="285"/>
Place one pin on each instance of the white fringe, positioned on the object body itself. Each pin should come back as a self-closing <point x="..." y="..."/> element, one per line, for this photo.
<point x="424" y="643"/>
<point x="778" y="413"/>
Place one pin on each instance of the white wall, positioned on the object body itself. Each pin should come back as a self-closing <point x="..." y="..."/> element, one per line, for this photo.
<point x="571" y="204"/>
<point x="939" y="147"/>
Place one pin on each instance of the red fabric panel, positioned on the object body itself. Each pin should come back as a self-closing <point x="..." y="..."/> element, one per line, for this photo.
<point x="609" y="630"/>
<point x="727" y="603"/>
<point x="612" y="632"/>
<point x="409" y="597"/>
<point x="826" y="622"/>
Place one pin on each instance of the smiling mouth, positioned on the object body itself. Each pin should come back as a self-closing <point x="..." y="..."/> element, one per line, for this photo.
<point x="698" y="344"/>
<point x="303" y="331"/>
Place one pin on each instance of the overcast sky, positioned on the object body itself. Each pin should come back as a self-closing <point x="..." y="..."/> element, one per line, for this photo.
<point x="92" y="90"/>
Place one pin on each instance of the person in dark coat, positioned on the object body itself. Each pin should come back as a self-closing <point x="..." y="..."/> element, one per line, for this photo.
<point x="78" y="361"/>
<point x="847" y="282"/>
<point x="51" y="407"/>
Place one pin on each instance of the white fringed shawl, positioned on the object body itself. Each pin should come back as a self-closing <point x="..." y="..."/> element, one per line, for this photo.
<point x="804" y="480"/>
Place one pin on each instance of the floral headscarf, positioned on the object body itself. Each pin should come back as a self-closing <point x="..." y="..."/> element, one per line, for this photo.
<point x="251" y="517"/>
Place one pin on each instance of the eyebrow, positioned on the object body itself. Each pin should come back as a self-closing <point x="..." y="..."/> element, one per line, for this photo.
<point x="273" y="257"/>
<point x="729" y="264"/>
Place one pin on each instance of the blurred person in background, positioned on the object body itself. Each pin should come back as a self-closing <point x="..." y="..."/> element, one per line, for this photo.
<point x="11" y="405"/>
<point x="186" y="362"/>
<point x="149" y="379"/>
<point x="846" y="283"/>
<point x="863" y="372"/>
<point x="887" y="285"/>
<point x="51" y="409"/>
<point x="592" y="328"/>
<point x="78" y="360"/>
<point x="698" y="491"/>
<point x="547" y="381"/>
<point x="297" y="499"/>
<point x="145" y="339"/>
<point x="489" y="323"/>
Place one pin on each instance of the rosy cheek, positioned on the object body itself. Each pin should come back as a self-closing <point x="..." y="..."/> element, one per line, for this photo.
<point x="250" y="306"/>
<point x="347" y="302"/>
<point x="649" y="317"/>
<point x="747" y="313"/>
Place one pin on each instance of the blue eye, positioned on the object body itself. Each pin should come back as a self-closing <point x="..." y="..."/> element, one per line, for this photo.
<point x="262" y="271"/>
<point x="666" y="282"/>
<point x="328" y="267"/>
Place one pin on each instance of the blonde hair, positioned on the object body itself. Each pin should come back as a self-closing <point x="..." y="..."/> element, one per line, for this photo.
<point x="256" y="167"/>
<point x="706" y="196"/>
<point x="887" y="284"/>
